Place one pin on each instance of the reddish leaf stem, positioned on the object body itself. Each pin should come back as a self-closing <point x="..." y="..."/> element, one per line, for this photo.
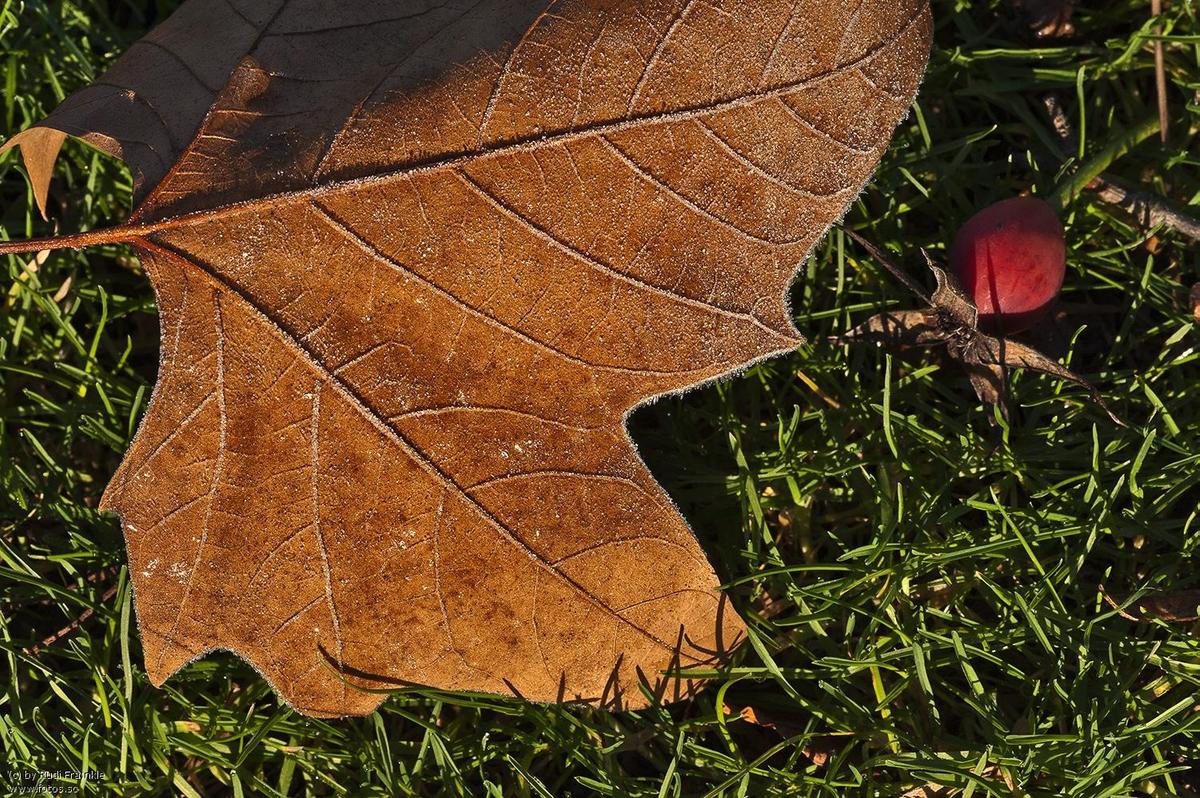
<point x="92" y="238"/>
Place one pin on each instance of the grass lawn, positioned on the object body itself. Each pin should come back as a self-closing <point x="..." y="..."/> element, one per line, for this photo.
<point x="924" y="588"/>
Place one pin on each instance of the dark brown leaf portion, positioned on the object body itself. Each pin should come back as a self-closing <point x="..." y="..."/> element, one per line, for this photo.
<point x="897" y="329"/>
<point x="150" y="103"/>
<point x="415" y="268"/>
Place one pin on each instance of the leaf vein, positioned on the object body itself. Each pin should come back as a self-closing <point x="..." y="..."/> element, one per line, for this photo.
<point x="402" y="442"/>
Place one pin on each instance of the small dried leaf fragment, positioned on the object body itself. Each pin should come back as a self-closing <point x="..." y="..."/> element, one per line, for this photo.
<point x="39" y="151"/>
<point x="897" y="329"/>
<point x="1006" y="353"/>
<point x="1049" y="19"/>
<point x="1180" y="606"/>
<point x="991" y="386"/>
<point x="415" y="264"/>
<point x="950" y="298"/>
<point x="779" y="722"/>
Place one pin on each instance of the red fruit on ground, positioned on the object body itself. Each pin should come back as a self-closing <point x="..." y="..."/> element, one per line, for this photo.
<point x="1011" y="258"/>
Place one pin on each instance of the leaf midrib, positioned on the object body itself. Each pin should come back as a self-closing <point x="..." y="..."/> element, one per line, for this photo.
<point x="409" y="449"/>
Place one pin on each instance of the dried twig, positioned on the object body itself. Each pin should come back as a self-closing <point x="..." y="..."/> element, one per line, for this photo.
<point x="101" y="575"/>
<point x="1146" y="207"/>
<point x="1160" y="72"/>
<point x="883" y="259"/>
<point x="1148" y="210"/>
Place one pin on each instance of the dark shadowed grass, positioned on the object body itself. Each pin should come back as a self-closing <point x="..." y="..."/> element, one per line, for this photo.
<point x="923" y="588"/>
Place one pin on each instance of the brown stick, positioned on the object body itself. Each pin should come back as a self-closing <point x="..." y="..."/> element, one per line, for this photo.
<point x="889" y="264"/>
<point x="1160" y="72"/>
<point x="97" y="576"/>
<point x="1147" y="208"/>
<point x="71" y="627"/>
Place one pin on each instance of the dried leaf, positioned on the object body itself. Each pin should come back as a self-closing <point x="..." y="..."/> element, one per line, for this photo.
<point x="988" y="773"/>
<point x="950" y="298"/>
<point x="1007" y="353"/>
<point x="415" y="265"/>
<point x="897" y="329"/>
<point x="1050" y="19"/>
<point x="1195" y="300"/>
<point x="63" y="290"/>
<point x="39" y="150"/>
<point x="781" y="723"/>
<point x="990" y="386"/>
<point x="1181" y="606"/>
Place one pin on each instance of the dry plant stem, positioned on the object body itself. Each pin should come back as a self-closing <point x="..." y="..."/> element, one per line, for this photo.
<point x="1181" y="606"/>
<point x="890" y="265"/>
<point x="71" y="627"/>
<point x="1160" y="72"/>
<point x="122" y="234"/>
<point x="102" y="575"/>
<point x="1148" y="209"/>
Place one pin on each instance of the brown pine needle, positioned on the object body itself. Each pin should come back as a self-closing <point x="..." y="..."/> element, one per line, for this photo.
<point x="71" y="627"/>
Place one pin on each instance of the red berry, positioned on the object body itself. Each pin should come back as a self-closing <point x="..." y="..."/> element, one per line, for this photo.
<point x="1011" y="258"/>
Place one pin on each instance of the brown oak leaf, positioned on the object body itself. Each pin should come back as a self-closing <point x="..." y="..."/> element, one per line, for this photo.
<point x="416" y="263"/>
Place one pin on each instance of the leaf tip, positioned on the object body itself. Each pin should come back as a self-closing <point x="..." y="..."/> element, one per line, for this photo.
<point x="39" y="151"/>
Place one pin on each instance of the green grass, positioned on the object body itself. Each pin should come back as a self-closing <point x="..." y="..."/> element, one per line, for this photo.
<point x="934" y="582"/>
